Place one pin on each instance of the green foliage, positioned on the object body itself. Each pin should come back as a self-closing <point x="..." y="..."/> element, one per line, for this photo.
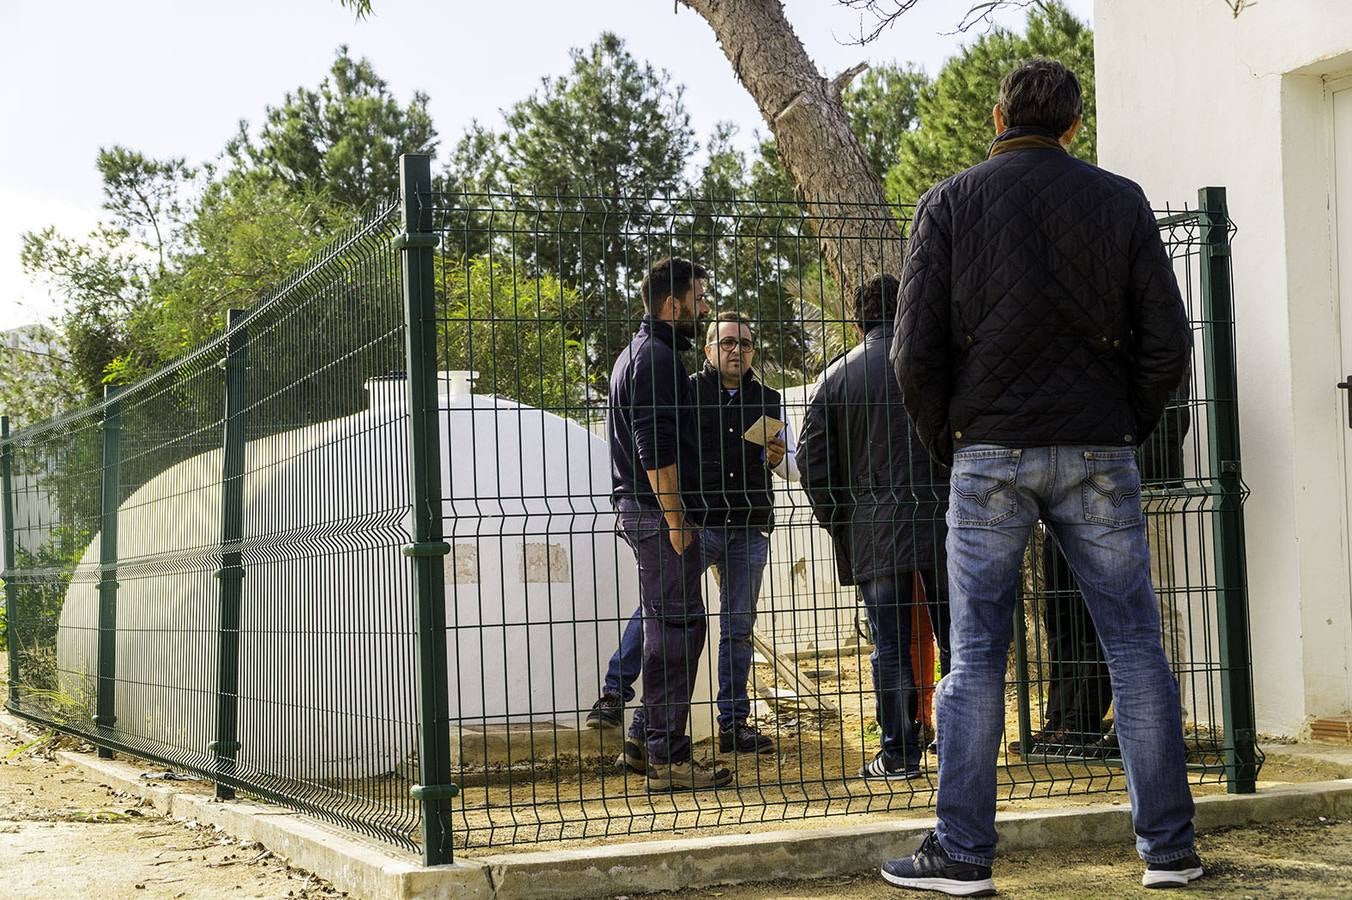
<point x="180" y="245"/>
<point x="585" y="154"/>
<point x="611" y="126"/>
<point x="248" y="236"/>
<point x="102" y="284"/>
<point x="954" y="110"/>
<point x="37" y="376"/>
<point x="342" y="140"/>
<point x="882" y="104"/>
<point x="146" y="198"/>
<point x="518" y="331"/>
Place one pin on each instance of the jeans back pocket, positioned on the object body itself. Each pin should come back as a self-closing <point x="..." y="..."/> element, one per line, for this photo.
<point x="1112" y="488"/>
<point x="982" y="491"/>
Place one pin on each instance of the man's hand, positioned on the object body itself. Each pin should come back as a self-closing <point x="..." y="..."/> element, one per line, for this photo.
<point x="775" y="448"/>
<point x="681" y="537"/>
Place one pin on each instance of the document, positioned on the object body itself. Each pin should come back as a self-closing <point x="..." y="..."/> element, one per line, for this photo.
<point x="765" y="428"/>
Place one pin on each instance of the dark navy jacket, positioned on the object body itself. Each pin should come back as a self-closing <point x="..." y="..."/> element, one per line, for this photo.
<point x="734" y="479"/>
<point x="651" y="421"/>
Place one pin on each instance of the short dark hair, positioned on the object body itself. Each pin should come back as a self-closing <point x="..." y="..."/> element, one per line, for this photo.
<point x="1041" y="92"/>
<point x="730" y="315"/>
<point x="670" y="277"/>
<point x="875" y="301"/>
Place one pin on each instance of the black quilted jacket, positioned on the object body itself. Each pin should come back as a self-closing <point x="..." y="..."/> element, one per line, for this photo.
<point x="1038" y="306"/>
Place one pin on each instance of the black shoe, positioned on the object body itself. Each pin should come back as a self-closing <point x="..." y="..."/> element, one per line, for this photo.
<point x="608" y="712"/>
<point x="742" y="738"/>
<point x="633" y="758"/>
<point x="1105" y="747"/>
<point x="1173" y="874"/>
<point x="930" y="869"/>
<point x="924" y="734"/>
<point x="1038" y="738"/>
<point x="879" y="770"/>
<point x="1056" y="743"/>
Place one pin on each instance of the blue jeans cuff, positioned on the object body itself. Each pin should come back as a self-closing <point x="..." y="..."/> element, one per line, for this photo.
<point x="1160" y="858"/>
<point x="959" y="856"/>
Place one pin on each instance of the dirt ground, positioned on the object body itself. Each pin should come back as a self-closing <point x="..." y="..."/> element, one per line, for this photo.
<point x="586" y="802"/>
<point x="1299" y="859"/>
<point x="64" y="836"/>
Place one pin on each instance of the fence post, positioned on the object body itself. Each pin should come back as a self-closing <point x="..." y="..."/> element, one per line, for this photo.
<point x="105" y="716"/>
<point x="1231" y="567"/>
<point x="231" y="574"/>
<point x="417" y="242"/>
<point x="7" y="564"/>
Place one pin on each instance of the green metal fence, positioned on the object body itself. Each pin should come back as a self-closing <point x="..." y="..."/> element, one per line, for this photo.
<point x="357" y="554"/>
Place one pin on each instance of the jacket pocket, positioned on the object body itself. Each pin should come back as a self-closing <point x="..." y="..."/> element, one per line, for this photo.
<point x="983" y="486"/>
<point x="1112" y="488"/>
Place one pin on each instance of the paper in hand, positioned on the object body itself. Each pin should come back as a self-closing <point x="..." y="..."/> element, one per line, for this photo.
<point x="763" y="429"/>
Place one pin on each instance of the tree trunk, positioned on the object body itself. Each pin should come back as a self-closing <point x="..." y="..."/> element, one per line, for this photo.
<point x="843" y="199"/>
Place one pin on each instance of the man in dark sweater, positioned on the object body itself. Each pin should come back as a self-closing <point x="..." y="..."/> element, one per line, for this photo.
<point x="1041" y="334"/>
<point x="736" y="513"/>
<point x="654" y="453"/>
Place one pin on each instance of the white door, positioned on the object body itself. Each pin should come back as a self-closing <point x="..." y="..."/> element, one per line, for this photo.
<point x="1342" y="221"/>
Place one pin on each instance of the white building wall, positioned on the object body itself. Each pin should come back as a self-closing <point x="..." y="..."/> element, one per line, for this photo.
<point x="1188" y="95"/>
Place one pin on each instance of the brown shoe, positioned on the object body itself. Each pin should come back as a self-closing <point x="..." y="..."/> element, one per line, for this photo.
<point x="686" y="776"/>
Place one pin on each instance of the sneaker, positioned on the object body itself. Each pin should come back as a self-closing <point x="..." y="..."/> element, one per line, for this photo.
<point x="634" y="757"/>
<point x="1175" y="873"/>
<point x="931" y="869"/>
<point x="687" y="776"/>
<point x="878" y="770"/>
<point x="608" y="712"/>
<point x="742" y="738"/>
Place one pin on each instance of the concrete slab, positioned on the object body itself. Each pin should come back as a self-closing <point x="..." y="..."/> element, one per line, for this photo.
<point x="368" y="869"/>
<point x="532" y="744"/>
<point x="1336" y="755"/>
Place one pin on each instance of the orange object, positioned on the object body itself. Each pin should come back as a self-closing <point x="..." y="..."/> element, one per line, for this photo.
<point x="922" y="652"/>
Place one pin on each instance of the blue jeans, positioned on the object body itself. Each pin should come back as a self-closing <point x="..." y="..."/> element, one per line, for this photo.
<point x="1090" y="498"/>
<point x="740" y="555"/>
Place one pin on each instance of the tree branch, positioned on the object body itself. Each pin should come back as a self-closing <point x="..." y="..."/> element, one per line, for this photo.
<point x="842" y="81"/>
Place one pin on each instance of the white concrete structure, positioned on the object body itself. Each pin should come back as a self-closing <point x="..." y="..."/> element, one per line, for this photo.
<point x="536" y="586"/>
<point x="1190" y="95"/>
<point x="802" y="608"/>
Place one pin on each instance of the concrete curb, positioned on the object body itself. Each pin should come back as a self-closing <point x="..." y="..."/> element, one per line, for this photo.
<point x="370" y="870"/>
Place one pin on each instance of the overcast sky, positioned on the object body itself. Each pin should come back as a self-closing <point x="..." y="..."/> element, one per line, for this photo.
<point x="174" y="78"/>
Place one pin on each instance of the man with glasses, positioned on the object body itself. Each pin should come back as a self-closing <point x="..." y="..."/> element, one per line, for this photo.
<point x="735" y="515"/>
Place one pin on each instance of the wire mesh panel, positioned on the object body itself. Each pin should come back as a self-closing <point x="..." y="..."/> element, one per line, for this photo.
<point x="539" y="299"/>
<point x="260" y="607"/>
<point x="212" y="567"/>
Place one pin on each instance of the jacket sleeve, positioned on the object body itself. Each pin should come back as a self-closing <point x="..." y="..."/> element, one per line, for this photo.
<point x="1161" y="339"/>
<point x="921" y="343"/>
<point x="656" y="384"/>
<point x="818" y="461"/>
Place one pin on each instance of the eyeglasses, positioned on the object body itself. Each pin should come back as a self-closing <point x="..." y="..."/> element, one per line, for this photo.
<point x="730" y="344"/>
